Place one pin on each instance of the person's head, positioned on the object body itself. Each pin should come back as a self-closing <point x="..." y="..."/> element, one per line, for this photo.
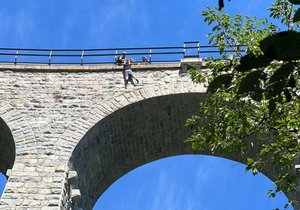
<point x="124" y="53"/>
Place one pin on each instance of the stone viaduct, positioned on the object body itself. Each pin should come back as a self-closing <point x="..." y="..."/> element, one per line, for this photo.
<point x="68" y="132"/>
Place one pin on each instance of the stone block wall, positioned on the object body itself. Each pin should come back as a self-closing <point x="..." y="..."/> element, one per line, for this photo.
<point x="42" y="105"/>
<point x="73" y="127"/>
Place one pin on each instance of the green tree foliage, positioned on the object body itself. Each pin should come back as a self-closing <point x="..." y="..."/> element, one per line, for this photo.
<point x="254" y="98"/>
<point x="284" y="10"/>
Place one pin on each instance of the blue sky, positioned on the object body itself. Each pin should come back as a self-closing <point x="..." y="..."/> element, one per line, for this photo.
<point x="109" y="23"/>
<point x="191" y="182"/>
<point x="179" y="183"/>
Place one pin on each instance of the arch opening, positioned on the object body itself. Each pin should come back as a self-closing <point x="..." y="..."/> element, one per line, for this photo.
<point x="130" y="137"/>
<point x="190" y="182"/>
<point x="7" y="149"/>
<point x="7" y="153"/>
<point x="3" y="181"/>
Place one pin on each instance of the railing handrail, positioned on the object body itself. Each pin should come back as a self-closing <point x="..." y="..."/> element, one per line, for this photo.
<point x="111" y="49"/>
<point x="64" y="56"/>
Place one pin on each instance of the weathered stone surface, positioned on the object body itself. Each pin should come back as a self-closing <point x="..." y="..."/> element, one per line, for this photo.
<point x="75" y="195"/>
<point x="72" y="178"/>
<point x="59" y="119"/>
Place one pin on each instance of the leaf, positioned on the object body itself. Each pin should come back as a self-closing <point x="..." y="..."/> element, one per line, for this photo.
<point x="250" y="163"/>
<point x="282" y="73"/>
<point x="271" y="193"/>
<point x="275" y="89"/>
<point x="272" y="106"/>
<point x="295" y="1"/>
<point x="220" y="81"/>
<point x="297" y="16"/>
<point x="286" y="205"/>
<point x="250" y="61"/>
<point x="255" y="171"/>
<point x="292" y="82"/>
<point x="283" y="46"/>
<point x="250" y="82"/>
<point x="287" y="95"/>
<point x="257" y="94"/>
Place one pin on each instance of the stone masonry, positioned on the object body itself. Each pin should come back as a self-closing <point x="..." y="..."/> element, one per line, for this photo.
<point x="68" y="132"/>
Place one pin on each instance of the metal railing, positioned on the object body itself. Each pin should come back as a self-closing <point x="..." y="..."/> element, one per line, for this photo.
<point x="103" y="56"/>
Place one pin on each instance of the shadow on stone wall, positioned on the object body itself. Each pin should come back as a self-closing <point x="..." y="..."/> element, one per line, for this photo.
<point x="7" y="148"/>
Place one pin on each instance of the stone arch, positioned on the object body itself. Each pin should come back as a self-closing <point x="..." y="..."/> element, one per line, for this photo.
<point x="21" y="136"/>
<point x="75" y="132"/>
<point x="132" y="136"/>
<point x="69" y="139"/>
<point x="128" y="134"/>
<point x="133" y="129"/>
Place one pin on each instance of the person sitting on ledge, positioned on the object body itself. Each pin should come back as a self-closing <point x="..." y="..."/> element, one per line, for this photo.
<point x="121" y="59"/>
<point x="132" y="61"/>
<point x="145" y="60"/>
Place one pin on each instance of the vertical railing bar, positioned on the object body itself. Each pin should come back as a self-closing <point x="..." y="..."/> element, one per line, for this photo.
<point x="198" y="49"/>
<point x="184" y="50"/>
<point x="150" y="56"/>
<point x="16" y="57"/>
<point x="82" y="54"/>
<point x="116" y="56"/>
<point x="50" y="56"/>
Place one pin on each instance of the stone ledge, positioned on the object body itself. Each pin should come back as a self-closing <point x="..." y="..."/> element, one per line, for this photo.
<point x="85" y="68"/>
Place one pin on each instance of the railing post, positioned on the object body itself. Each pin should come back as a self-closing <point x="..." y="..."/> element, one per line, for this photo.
<point x="16" y="57"/>
<point x="81" y="58"/>
<point x="50" y="55"/>
<point x="116" y="56"/>
<point x="150" y="56"/>
<point x="191" y="49"/>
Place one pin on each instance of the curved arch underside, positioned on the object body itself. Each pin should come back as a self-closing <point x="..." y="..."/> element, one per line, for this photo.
<point x="7" y="148"/>
<point x="130" y="137"/>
